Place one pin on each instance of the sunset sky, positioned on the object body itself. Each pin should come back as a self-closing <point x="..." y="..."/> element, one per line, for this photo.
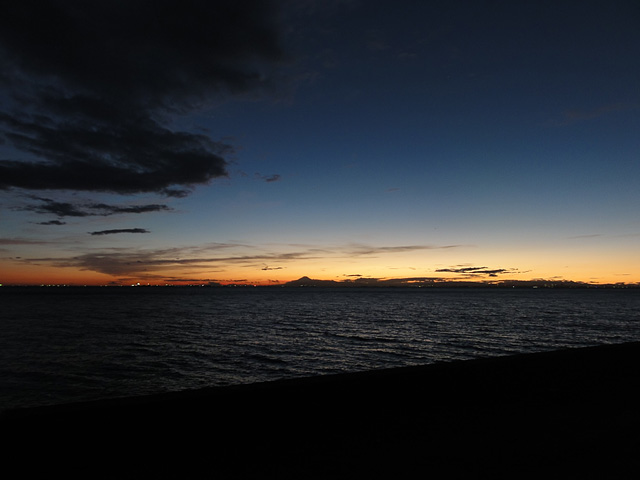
<point x="257" y="142"/>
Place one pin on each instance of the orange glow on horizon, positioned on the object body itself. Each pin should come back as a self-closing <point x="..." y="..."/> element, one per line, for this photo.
<point x="53" y="276"/>
<point x="462" y="264"/>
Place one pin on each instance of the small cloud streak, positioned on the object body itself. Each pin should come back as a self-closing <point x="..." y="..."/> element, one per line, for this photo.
<point x="66" y="209"/>
<point x="268" y="178"/>
<point x="365" y="250"/>
<point x="475" y="271"/>
<point x="52" y="222"/>
<point x="593" y="235"/>
<point x="120" y="230"/>
<point x="580" y="115"/>
<point x="21" y="241"/>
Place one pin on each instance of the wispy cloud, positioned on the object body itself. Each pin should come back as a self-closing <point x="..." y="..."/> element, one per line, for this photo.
<point x="67" y="209"/>
<point x="367" y="250"/>
<point x="592" y="235"/>
<point x="21" y="241"/>
<point x="129" y="262"/>
<point x="476" y="271"/>
<point x="268" y="178"/>
<point x="206" y="258"/>
<point x="580" y="115"/>
<point x="52" y="222"/>
<point x="119" y="230"/>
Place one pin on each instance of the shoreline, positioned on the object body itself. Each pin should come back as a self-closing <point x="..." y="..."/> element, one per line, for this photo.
<point x="570" y="411"/>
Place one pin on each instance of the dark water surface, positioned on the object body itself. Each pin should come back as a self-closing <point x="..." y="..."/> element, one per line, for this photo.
<point x="61" y="345"/>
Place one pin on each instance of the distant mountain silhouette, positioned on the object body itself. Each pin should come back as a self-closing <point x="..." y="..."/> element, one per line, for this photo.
<point x="308" y="282"/>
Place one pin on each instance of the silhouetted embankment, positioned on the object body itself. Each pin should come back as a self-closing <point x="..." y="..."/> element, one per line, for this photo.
<point x="570" y="413"/>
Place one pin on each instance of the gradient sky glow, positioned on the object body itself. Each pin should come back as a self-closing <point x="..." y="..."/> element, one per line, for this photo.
<point x="258" y="142"/>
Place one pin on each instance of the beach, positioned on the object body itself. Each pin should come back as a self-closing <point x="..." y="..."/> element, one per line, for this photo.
<point x="566" y="413"/>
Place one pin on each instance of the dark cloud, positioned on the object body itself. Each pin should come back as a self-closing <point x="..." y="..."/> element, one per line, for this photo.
<point x="52" y="222"/>
<point x="268" y="178"/>
<point x="462" y="269"/>
<point x="114" y="209"/>
<point x="120" y="230"/>
<point x="93" y="86"/>
<point x="66" y="209"/>
<point x="61" y="209"/>
<point x="492" y="272"/>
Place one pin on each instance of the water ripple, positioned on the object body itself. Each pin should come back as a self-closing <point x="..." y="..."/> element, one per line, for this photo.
<point x="69" y="345"/>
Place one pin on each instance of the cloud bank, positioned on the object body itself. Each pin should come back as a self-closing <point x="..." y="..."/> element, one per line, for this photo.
<point x="89" y="89"/>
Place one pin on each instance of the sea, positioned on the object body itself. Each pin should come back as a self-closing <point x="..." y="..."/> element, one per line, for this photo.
<point x="64" y="344"/>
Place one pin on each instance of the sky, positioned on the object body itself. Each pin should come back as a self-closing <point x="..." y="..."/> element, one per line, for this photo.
<point x="165" y="143"/>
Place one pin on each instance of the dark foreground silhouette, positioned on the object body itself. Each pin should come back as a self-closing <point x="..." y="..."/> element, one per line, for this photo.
<point x="565" y="414"/>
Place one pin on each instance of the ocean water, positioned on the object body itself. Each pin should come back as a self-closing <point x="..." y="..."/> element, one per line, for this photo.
<point x="61" y="345"/>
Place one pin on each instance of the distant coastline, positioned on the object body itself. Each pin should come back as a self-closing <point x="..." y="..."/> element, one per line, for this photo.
<point x="439" y="283"/>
